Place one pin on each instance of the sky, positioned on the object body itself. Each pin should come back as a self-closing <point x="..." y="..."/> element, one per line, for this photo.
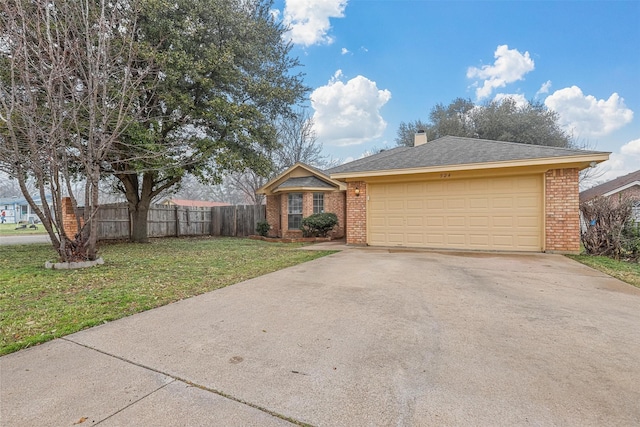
<point x="372" y="64"/>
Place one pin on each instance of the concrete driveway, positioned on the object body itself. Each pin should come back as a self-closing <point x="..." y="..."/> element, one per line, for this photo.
<point x="362" y="337"/>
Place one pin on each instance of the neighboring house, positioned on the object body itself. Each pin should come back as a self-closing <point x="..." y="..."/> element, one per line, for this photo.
<point x="623" y="187"/>
<point x="18" y="209"/>
<point x="193" y="203"/>
<point x="450" y="193"/>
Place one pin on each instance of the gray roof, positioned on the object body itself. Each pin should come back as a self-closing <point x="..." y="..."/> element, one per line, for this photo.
<point x="453" y="150"/>
<point x="608" y="186"/>
<point x="305" y="181"/>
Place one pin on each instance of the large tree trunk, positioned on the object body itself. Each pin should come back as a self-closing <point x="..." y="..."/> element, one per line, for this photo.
<point x="139" y="197"/>
<point x="139" y="220"/>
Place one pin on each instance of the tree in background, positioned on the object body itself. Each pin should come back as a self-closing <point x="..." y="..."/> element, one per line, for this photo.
<point x="499" y="120"/>
<point x="224" y="75"/>
<point x="296" y="142"/>
<point x="68" y="92"/>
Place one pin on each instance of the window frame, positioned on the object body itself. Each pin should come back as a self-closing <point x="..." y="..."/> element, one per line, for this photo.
<point x="318" y="203"/>
<point x="294" y="211"/>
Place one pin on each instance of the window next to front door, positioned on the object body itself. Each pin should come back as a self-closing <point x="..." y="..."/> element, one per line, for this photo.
<point x="318" y="203"/>
<point x="295" y="211"/>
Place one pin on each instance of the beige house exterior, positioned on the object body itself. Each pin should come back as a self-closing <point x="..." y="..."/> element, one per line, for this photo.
<point x="453" y="193"/>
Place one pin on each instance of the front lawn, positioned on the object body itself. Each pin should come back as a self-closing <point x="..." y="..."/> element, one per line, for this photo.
<point x="37" y="305"/>
<point x="626" y="271"/>
<point x="10" y="230"/>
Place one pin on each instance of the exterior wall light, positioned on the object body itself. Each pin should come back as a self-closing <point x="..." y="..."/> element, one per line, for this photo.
<point x="357" y="192"/>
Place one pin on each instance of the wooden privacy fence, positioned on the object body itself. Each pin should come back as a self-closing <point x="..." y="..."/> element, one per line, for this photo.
<point x="165" y="221"/>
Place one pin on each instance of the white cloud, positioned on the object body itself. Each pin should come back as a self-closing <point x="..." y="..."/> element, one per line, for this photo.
<point x="309" y="19"/>
<point x="510" y="66"/>
<point x="519" y="98"/>
<point x="619" y="164"/>
<point x="344" y="51"/>
<point x="348" y="113"/>
<point x="632" y="148"/>
<point x="585" y="116"/>
<point x="544" y="88"/>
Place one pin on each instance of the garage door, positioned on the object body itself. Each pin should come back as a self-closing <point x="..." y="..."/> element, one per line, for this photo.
<point x="503" y="213"/>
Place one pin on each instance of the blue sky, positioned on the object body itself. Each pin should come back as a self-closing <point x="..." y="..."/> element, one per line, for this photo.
<point x="372" y="64"/>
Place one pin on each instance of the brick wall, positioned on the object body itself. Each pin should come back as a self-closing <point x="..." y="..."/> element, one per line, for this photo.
<point x="562" y="213"/>
<point x="273" y="214"/>
<point x="631" y="192"/>
<point x="335" y="203"/>
<point x="356" y="213"/>
<point x="69" y="222"/>
<point x="277" y="213"/>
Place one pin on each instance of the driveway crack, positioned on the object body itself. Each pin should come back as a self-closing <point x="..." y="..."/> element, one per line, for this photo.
<point x="190" y="383"/>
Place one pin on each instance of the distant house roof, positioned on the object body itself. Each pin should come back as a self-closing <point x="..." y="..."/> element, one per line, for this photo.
<point x="194" y="203"/>
<point x="455" y="151"/>
<point x="21" y="201"/>
<point x="611" y="187"/>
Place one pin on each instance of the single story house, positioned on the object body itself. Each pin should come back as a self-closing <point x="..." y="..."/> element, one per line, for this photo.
<point x="450" y="193"/>
<point x="624" y="186"/>
<point x="17" y="209"/>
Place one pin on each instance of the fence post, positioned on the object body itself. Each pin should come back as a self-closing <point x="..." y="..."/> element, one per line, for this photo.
<point x="177" y="219"/>
<point x="235" y="221"/>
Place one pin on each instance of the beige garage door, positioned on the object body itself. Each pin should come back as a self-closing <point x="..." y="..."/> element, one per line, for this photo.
<point x="502" y="213"/>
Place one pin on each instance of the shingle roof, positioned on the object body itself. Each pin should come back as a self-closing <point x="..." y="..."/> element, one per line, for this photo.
<point x="305" y="181"/>
<point x="453" y="150"/>
<point x="608" y="186"/>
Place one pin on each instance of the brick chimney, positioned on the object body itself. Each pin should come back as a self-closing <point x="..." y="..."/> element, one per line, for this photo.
<point x="420" y="138"/>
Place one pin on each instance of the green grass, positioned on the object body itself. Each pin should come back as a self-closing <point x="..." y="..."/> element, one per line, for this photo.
<point x="626" y="271"/>
<point x="37" y="305"/>
<point x="10" y="230"/>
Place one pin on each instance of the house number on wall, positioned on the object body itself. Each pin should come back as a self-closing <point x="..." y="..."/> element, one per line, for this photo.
<point x="445" y="175"/>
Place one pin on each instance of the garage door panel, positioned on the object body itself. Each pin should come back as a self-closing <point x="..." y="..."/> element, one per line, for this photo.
<point x="415" y="221"/>
<point x="453" y="204"/>
<point x="479" y="221"/>
<point x="502" y="213"/>
<point x="503" y="203"/>
<point x="415" y="204"/>
<point x="456" y="221"/>
<point x="478" y="203"/>
<point x="479" y="240"/>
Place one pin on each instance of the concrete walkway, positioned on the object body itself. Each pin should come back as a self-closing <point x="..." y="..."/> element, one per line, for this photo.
<point x="24" y="239"/>
<point x="361" y="337"/>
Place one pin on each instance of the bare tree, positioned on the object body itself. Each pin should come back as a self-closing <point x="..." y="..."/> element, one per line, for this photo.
<point x="68" y="85"/>
<point x="297" y="142"/>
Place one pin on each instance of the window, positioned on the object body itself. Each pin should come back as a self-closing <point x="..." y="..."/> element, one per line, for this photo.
<point x="318" y="203"/>
<point x="635" y="211"/>
<point x="295" y="211"/>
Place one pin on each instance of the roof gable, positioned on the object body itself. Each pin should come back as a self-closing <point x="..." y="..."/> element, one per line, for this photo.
<point x="611" y="187"/>
<point x="456" y="151"/>
<point x="301" y="177"/>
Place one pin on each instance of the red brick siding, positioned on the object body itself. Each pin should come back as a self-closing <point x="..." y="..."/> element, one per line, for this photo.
<point x="335" y="203"/>
<point x="277" y="213"/>
<point x="69" y="221"/>
<point x="562" y="213"/>
<point x="356" y="213"/>
<point x="273" y="214"/>
<point x="631" y="193"/>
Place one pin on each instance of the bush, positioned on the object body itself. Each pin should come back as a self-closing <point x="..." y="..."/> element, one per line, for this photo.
<point x="262" y="228"/>
<point x="631" y="240"/>
<point x="318" y="225"/>
<point x="610" y="229"/>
